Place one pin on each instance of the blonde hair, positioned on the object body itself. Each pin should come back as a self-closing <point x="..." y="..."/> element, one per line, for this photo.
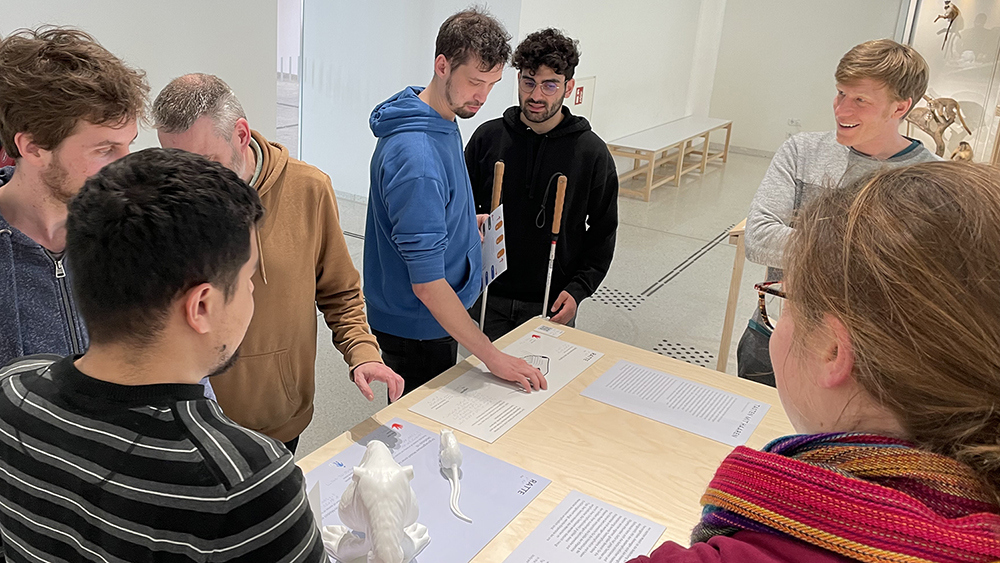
<point x="900" y="67"/>
<point x="909" y="262"/>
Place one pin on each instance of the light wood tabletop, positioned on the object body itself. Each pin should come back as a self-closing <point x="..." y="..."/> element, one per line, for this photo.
<point x="637" y="464"/>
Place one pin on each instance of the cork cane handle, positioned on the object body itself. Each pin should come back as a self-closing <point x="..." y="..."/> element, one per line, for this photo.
<point x="497" y="184"/>
<point x="560" y="196"/>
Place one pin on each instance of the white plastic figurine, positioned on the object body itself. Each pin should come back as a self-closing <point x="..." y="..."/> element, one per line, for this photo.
<point x="451" y="460"/>
<point x="380" y="504"/>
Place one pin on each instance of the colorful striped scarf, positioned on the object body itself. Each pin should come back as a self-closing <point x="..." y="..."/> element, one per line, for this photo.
<point x="866" y="497"/>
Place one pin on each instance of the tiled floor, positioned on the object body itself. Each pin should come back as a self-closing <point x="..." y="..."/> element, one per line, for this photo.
<point x="666" y="290"/>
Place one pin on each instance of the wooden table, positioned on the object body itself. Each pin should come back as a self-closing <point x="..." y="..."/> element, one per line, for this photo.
<point x="669" y="145"/>
<point x="736" y="239"/>
<point x="637" y="464"/>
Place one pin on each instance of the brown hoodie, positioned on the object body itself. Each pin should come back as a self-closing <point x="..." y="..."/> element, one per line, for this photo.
<point x="304" y="262"/>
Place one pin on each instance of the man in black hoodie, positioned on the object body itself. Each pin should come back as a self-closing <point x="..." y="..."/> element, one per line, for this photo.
<point x="538" y="140"/>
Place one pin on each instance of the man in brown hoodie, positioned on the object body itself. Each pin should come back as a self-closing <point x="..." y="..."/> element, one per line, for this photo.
<point x="304" y="262"/>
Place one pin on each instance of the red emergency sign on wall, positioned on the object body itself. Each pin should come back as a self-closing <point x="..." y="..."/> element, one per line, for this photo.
<point x="579" y="95"/>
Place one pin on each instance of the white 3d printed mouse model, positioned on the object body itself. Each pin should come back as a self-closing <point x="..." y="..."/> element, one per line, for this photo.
<point x="451" y="460"/>
<point x="379" y="503"/>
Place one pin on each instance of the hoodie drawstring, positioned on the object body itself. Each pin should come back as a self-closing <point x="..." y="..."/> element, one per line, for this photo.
<point x="260" y="258"/>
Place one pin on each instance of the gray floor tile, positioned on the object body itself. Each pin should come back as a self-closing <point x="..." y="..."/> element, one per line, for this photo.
<point x="702" y="205"/>
<point x="287" y="116"/>
<point x="289" y="137"/>
<point x="353" y="215"/>
<point x="288" y="93"/>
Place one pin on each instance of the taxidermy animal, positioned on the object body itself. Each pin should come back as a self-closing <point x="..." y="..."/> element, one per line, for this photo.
<point x="946" y="110"/>
<point x="936" y="118"/>
<point x="926" y="121"/>
<point x="951" y="12"/>
<point x="963" y="152"/>
<point x="451" y="460"/>
<point x="379" y="503"/>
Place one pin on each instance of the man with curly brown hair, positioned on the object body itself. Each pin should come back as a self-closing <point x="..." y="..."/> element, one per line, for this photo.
<point x="538" y="140"/>
<point x="67" y="108"/>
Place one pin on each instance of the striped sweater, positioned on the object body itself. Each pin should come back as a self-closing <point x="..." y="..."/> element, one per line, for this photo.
<point x="95" y="471"/>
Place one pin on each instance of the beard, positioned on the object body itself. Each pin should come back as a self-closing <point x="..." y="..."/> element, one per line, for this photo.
<point x="55" y="178"/>
<point x="238" y="164"/>
<point x="546" y="114"/>
<point x="225" y="364"/>
<point x="460" y="110"/>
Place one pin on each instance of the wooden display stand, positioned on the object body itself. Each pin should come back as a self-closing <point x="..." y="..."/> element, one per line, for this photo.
<point x="736" y="239"/>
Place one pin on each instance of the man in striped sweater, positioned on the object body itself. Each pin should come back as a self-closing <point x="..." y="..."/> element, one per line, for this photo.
<point x="116" y="455"/>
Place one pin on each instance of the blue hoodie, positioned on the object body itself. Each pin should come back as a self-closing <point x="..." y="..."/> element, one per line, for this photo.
<point x="37" y="311"/>
<point x="421" y="217"/>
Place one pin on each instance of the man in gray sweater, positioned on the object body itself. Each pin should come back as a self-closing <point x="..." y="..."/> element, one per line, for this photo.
<point x="878" y="82"/>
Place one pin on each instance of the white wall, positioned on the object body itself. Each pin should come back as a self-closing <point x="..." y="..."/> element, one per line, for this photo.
<point x="289" y="35"/>
<point x="358" y="54"/>
<point x="235" y="40"/>
<point x="641" y="51"/>
<point x="777" y="58"/>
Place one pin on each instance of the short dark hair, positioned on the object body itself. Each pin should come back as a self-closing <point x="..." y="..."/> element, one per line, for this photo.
<point x="149" y="227"/>
<point x="551" y="48"/>
<point x="53" y="77"/>
<point x="473" y="32"/>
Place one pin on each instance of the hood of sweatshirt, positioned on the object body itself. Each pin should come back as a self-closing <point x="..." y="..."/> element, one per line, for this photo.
<point x="274" y="159"/>
<point x="406" y="112"/>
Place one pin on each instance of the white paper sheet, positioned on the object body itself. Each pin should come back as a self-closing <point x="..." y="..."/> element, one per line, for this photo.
<point x="485" y="406"/>
<point x="722" y="416"/>
<point x="587" y="530"/>
<point x="494" y="247"/>
<point x="493" y="491"/>
<point x="550" y="330"/>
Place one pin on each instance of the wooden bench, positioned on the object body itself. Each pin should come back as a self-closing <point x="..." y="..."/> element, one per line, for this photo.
<point x="668" y="146"/>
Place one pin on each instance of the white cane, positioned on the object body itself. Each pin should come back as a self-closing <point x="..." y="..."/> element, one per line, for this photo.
<point x="556" y="221"/>
<point x="494" y="203"/>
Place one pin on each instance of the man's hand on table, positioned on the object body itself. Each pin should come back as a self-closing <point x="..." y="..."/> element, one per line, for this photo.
<point x="509" y="368"/>
<point x="367" y="372"/>
<point x="566" y="307"/>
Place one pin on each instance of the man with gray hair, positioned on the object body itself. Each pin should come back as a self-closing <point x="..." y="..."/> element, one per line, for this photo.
<point x="304" y="262"/>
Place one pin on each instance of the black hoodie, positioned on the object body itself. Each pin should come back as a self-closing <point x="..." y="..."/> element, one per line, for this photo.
<point x="532" y="162"/>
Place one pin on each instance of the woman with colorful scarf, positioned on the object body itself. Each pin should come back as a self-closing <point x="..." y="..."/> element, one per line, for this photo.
<point x="887" y="359"/>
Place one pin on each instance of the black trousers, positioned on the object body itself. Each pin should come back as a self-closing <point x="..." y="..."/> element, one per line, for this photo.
<point x="504" y="314"/>
<point x="418" y="361"/>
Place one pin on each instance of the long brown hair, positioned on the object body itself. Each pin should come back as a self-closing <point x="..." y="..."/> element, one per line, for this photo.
<point x="909" y="262"/>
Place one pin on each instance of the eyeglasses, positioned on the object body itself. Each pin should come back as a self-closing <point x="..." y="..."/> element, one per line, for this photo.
<point x="763" y="290"/>
<point x="548" y="88"/>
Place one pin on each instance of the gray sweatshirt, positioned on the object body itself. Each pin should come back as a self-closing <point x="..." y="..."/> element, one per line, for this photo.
<point x="805" y="164"/>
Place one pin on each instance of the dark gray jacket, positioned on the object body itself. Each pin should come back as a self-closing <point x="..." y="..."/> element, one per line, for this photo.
<point x="37" y="311"/>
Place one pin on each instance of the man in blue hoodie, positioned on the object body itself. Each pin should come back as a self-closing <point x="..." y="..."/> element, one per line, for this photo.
<point x="422" y="247"/>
